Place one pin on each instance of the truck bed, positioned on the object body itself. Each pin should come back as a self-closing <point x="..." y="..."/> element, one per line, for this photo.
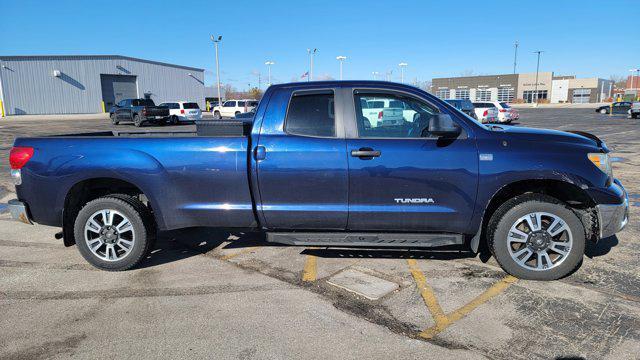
<point x="202" y="180"/>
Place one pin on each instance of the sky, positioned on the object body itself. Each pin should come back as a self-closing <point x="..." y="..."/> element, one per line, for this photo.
<point x="435" y="38"/>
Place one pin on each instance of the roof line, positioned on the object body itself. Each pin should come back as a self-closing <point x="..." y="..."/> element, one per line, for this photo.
<point x="101" y="57"/>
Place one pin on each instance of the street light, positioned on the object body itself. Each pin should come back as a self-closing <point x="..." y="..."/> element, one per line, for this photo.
<point x="311" y="55"/>
<point x="341" y="59"/>
<point x="215" y="43"/>
<point x="375" y="75"/>
<point x="537" y="70"/>
<point x="269" y="63"/>
<point x="402" y="66"/>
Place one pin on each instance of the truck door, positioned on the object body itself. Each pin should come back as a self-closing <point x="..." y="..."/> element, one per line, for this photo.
<point x="401" y="178"/>
<point x="301" y="162"/>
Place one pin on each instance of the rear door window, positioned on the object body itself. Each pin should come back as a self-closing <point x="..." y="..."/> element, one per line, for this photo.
<point x="191" y="106"/>
<point x="311" y="115"/>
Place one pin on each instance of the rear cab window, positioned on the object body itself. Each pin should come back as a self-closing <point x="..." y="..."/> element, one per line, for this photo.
<point x="311" y="114"/>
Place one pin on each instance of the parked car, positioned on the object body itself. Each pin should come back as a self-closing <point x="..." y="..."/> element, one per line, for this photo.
<point x="382" y="112"/>
<point x="634" y="111"/>
<point x="139" y="111"/>
<point x="486" y="112"/>
<point x="181" y="111"/>
<point x="310" y="172"/>
<point x="466" y="106"/>
<point x="621" y="107"/>
<point x="506" y="114"/>
<point x="247" y="115"/>
<point x="231" y="108"/>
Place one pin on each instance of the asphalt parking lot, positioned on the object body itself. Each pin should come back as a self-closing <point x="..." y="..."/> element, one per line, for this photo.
<point x="206" y="293"/>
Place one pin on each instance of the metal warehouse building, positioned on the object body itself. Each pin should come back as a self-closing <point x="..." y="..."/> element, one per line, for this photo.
<point x="523" y="88"/>
<point x="91" y="83"/>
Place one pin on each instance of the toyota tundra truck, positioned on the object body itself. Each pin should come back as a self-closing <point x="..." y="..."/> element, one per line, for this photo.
<point x="310" y="171"/>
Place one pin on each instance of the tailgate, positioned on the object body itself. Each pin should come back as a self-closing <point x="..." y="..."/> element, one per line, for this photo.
<point x="157" y="111"/>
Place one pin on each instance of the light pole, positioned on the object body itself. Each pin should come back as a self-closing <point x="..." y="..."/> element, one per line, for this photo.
<point x="341" y="59"/>
<point x="515" y="57"/>
<point x="402" y="65"/>
<point x="269" y="63"/>
<point x="389" y="73"/>
<point x="375" y="75"/>
<point x="311" y="55"/>
<point x="535" y="93"/>
<point x="215" y="43"/>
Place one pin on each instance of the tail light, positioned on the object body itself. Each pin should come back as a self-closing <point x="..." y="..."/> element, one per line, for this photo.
<point x="144" y="111"/>
<point x="485" y="113"/>
<point x="181" y="111"/>
<point x="503" y="110"/>
<point x="380" y="115"/>
<point x="19" y="156"/>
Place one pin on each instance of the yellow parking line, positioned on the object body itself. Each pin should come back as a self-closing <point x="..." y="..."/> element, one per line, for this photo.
<point x="443" y="321"/>
<point x="309" y="273"/>
<point x="427" y="293"/>
<point x="243" y="251"/>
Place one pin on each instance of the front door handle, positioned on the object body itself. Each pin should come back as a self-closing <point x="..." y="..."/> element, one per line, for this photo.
<point x="260" y="152"/>
<point x="365" y="153"/>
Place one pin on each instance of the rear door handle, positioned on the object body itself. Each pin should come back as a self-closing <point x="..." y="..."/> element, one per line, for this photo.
<point x="260" y="152"/>
<point x="365" y="153"/>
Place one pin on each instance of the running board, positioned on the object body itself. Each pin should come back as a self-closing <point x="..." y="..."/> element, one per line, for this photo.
<point x="340" y="239"/>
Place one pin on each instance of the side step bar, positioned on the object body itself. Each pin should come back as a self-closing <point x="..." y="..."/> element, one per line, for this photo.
<point x="344" y="239"/>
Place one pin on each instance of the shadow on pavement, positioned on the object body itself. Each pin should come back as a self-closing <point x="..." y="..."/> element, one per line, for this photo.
<point x="602" y="247"/>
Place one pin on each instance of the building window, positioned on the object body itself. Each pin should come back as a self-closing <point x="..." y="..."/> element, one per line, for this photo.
<point x="443" y="93"/>
<point x="506" y="94"/>
<point x="462" y="94"/>
<point x="529" y="95"/>
<point x="581" y="96"/>
<point x="483" y="95"/>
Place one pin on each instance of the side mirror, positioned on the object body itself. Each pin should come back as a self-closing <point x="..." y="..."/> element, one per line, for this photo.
<point x="442" y="125"/>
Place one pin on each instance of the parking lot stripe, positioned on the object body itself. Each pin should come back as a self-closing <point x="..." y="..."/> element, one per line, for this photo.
<point x="309" y="272"/>
<point x="427" y="294"/>
<point x="243" y="251"/>
<point x="456" y="315"/>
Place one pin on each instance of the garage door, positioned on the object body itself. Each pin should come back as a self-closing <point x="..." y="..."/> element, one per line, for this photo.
<point x="581" y="96"/>
<point x="116" y="88"/>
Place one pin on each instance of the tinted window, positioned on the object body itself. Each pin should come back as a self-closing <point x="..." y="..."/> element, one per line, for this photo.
<point x="190" y="106"/>
<point x="407" y="118"/>
<point x="311" y="115"/>
<point x="229" y="104"/>
<point x="253" y="103"/>
<point x="241" y="103"/>
<point x="505" y="105"/>
<point x="143" y="102"/>
<point x="375" y="104"/>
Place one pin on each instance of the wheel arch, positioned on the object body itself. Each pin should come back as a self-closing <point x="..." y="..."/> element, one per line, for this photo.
<point x="90" y="189"/>
<point x="571" y="194"/>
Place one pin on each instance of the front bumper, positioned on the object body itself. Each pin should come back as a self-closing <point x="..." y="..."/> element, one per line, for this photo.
<point x="613" y="218"/>
<point x="19" y="212"/>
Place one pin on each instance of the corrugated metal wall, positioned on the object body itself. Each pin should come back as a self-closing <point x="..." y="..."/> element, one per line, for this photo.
<point x="30" y="87"/>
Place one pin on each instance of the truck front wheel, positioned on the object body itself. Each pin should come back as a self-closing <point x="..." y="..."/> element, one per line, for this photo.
<point x="114" y="232"/>
<point x="536" y="237"/>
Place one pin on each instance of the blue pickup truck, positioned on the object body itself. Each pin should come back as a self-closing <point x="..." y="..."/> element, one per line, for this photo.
<point x="315" y="169"/>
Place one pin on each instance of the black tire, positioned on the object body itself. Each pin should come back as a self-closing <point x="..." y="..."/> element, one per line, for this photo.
<point x="137" y="120"/>
<point x="139" y="217"/>
<point x="509" y="213"/>
<point x="114" y="120"/>
<point x="236" y="113"/>
<point x="216" y="115"/>
<point x="174" y="120"/>
<point x="604" y="111"/>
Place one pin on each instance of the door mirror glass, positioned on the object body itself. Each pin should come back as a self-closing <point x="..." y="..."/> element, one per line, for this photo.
<point x="442" y="125"/>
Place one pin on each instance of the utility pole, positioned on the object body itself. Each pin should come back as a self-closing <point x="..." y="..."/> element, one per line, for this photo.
<point x="341" y="59"/>
<point x="215" y="43"/>
<point x="535" y="93"/>
<point x="402" y="65"/>
<point x="515" y="57"/>
<point x="269" y="63"/>
<point x="311" y="53"/>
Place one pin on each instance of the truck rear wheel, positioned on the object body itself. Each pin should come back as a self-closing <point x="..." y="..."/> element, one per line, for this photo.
<point x="137" y="120"/>
<point x="536" y="237"/>
<point x="115" y="232"/>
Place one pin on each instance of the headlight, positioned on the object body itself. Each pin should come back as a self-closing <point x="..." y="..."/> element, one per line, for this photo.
<point x="602" y="161"/>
